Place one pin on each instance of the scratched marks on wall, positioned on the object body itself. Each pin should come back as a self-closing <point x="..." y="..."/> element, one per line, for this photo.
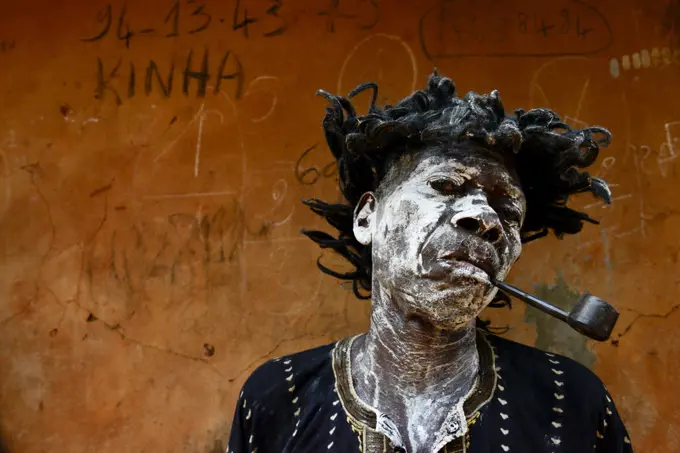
<point x="638" y="171"/>
<point x="175" y="257"/>
<point x="579" y="105"/>
<point x="473" y="28"/>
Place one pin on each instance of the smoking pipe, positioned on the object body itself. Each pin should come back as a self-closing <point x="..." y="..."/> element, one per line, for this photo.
<point x="591" y="316"/>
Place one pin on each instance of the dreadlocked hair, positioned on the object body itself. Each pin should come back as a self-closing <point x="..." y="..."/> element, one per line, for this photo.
<point x="546" y="153"/>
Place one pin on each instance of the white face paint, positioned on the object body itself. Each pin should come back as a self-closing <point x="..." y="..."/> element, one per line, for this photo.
<point x="440" y="225"/>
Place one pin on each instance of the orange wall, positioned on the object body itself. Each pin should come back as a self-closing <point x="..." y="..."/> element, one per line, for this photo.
<point x="152" y="256"/>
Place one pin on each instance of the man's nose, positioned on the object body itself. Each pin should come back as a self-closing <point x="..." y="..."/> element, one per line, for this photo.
<point x="480" y="219"/>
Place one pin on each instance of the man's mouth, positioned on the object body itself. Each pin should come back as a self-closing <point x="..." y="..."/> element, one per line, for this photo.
<point x="485" y="265"/>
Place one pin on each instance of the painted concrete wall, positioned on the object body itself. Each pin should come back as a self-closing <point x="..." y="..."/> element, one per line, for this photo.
<point x="152" y="161"/>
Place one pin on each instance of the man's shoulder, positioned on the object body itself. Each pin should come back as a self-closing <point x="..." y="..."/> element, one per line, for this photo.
<point x="540" y="368"/>
<point x="278" y="378"/>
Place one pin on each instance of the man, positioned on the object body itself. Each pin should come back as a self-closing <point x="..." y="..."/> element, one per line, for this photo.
<point x="442" y="191"/>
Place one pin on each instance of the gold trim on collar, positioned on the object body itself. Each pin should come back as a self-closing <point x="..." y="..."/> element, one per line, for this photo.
<point x="363" y="418"/>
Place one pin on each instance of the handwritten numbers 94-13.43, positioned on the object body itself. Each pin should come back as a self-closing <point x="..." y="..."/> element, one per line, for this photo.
<point x="191" y="17"/>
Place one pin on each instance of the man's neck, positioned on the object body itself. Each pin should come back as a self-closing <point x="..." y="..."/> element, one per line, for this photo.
<point x="403" y="357"/>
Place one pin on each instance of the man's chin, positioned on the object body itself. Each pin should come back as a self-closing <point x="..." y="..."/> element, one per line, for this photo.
<point x="452" y="310"/>
<point x="450" y="323"/>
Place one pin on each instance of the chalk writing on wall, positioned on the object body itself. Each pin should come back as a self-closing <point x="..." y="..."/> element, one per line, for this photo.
<point x="188" y="18"/>
<point x="663" y="156"/>
<point x="466" y="28"/>
<point x="129" y="79"/>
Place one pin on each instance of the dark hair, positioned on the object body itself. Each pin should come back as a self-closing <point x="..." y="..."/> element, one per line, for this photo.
<point x="545" y="150"/>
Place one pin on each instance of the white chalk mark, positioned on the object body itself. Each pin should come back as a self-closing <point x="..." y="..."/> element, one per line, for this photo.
<point x="603" y="205"/>
<point x="637" y="62"/>
<point x="623" y="197"/>
<point x="666" y="56"/>
<point x="172" y="143"/>
<point x="646" y="59"/>
<point x="641" y="207"/>
<point x="534" y="85"/>
<point x="625" y="62"/>
<point x="190" y="195"/>
<point x="614" y="70"/>
<point x="606" y="165"/>
<point x="627" y="233"/>
<point x="257" y="79"/>
<point x="274" y="101"/>
<point x="409" y="51"/>
<point x="199" y="116"/>
<point x="90" y="120"/>
<point x="667" y="151"/>
<point x="199" y="138"/>
<point x="198" y="144"/>
<point x="284" y="221"/>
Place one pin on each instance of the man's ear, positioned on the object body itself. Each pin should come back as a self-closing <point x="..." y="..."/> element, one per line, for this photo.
<point x="364" y="218"/>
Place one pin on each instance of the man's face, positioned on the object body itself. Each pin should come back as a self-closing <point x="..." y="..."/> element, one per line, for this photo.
<point x="441" y="225"/>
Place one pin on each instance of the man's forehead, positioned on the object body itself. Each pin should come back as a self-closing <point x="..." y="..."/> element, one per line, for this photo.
<point x="478" y="166"/>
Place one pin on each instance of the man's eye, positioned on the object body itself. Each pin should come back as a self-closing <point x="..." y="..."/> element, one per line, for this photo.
<point x="444" y="186"/>
<point x="512" y="215"/>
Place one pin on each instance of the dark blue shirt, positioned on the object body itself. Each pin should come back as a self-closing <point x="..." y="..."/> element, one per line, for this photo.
<point x="525" y="401"/>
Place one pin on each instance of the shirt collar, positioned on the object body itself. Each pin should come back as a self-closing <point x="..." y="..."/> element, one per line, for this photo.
<point x="376" y="426"/>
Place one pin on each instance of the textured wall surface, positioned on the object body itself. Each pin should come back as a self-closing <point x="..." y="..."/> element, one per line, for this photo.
<point x="152" y="160"/>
